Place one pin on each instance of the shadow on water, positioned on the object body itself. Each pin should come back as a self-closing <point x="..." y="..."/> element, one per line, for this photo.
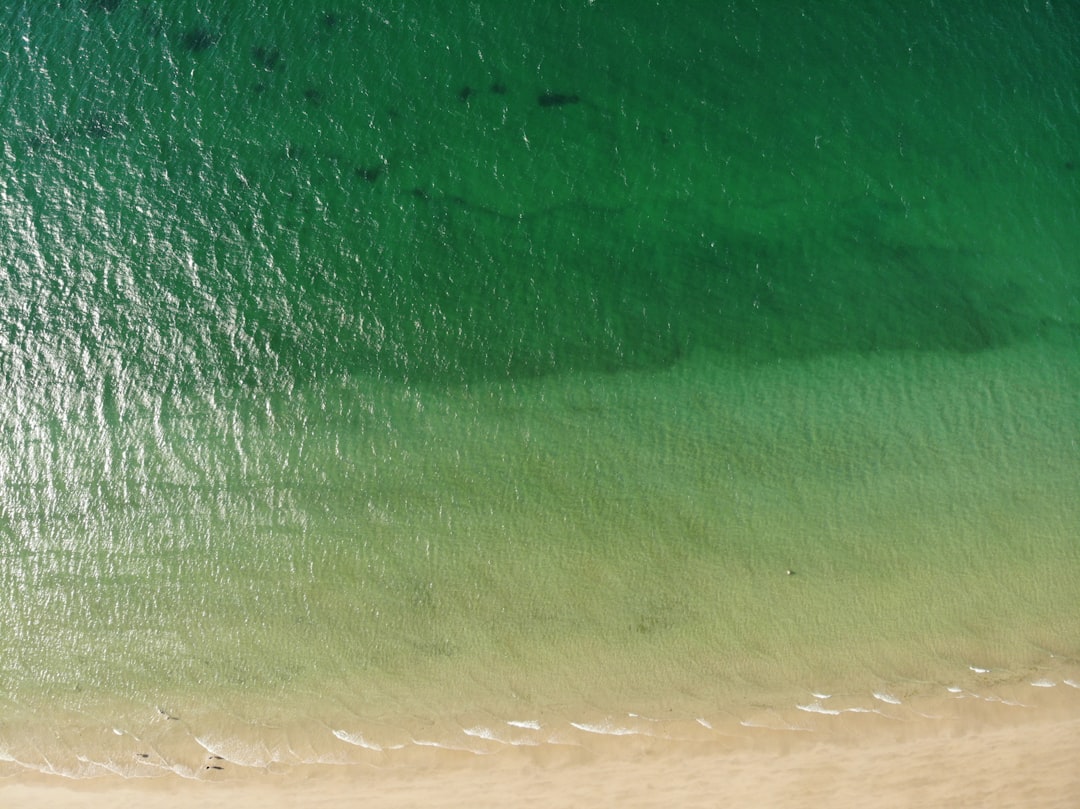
<point x="584" y="287"/>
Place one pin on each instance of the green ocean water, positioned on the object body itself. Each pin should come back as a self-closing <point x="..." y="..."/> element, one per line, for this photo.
<point x="369" y="372"/>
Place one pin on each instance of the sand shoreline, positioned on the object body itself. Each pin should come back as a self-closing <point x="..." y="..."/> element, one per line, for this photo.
<point x="1017" y="746"/>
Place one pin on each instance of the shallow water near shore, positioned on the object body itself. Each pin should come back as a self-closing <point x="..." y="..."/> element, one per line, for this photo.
<point x="375" y="379"/>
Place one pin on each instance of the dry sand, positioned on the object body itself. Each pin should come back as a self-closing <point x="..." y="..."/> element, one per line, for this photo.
<point x="949" y="753"/>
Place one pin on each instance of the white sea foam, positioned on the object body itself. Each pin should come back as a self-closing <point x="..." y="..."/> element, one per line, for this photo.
<point x="527" y="724"/>
<point x="490" y="734"/>
<point x="1002" y="701"/>
<point x="605" y="728"/>
<point x="817" y="707"/>
<point x="704" y="723"/>
<point x="1043" y="683"/>
<point x="447" y="746"/>
<point x="237" y="752"/>
<point x="481" y="733"/>
<point x="357" y="740"/>
<point x="1071" y="683"/>
<point x="886" y="697"/>
<point x="978" y="670"/>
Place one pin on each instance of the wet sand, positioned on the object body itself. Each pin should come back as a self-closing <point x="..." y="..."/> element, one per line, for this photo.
<point x="1015" y="747"/>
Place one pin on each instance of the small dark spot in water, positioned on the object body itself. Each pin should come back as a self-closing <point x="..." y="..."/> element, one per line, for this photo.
<point x="99" y="126"/>
<point x="498" y="88"/>
<point x="369" y="174"/>
<point x="314" y="96"/>
<point x="420" y="193"/>
<point x="330" y="20"/>
<point x="266" y="58"/>
<point x="213" y="767"/>
<point x="215" y="758"/>
<point x="143" y="755"/>
<point x="198" y="39"/>
<point x="557" y="99"/>
<point x="465" y="93"/>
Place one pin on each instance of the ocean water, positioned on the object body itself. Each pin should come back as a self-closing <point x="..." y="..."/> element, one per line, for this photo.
<point x="484" y="373"/>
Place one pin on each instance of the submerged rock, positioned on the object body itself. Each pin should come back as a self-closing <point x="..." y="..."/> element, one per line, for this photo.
<point x="198" y="39"/>
<point x="266" y="58"/>
<point x="369" y="174"/>
<point x="557" y="99"/>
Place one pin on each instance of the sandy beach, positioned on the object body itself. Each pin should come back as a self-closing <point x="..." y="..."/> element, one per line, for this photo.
<point x="1018" y="747"/>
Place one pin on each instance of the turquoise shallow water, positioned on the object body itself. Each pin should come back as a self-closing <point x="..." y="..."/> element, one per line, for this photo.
<point x="364" y="368"/>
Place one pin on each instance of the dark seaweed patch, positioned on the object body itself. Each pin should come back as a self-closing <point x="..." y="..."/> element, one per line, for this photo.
<point x="97" y="126"/>
<point x="465" y="93"/>
<point x="314" y="96"/>
<point x="369" y="174"/>
<point x="498" y="88"/>
<point x="266" y="58"/>
<point x="330" y="20"/>
<point x="557" y="99"/>
<point x="198" y="39"/>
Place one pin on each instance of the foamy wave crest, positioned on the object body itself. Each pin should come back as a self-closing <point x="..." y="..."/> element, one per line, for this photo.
<point x="527" y="724"/>
<point x="490" y="734"/>
<point x="606" y="728"/>
<point x="357" y="740"/>
<point x="482" y="733"/>
<point x="286" y="746"/>
<point x="884" y="696"/>
<point x="817" y="707"/>
<point x="445" y="745"/>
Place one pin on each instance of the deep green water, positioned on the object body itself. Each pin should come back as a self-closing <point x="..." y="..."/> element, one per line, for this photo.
<point x="365" y="369"/>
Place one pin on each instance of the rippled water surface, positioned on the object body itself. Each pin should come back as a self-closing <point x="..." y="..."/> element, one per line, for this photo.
<point x="365" y="370"/>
